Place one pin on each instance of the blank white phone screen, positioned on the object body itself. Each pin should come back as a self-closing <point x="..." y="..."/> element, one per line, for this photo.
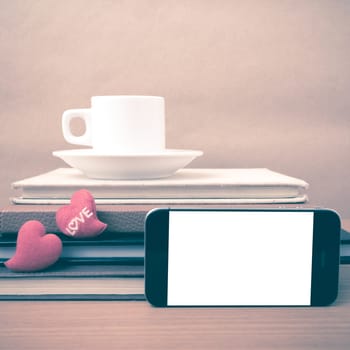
<point x="239" y="258"/>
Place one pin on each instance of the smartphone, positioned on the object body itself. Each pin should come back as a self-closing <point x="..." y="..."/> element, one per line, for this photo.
<point x="257" y="257"/>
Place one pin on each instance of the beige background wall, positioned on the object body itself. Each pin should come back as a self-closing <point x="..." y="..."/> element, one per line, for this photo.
<point x="251" y="83"/>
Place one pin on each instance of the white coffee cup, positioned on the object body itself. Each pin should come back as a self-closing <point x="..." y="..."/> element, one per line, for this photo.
<point x="120" y="124"/>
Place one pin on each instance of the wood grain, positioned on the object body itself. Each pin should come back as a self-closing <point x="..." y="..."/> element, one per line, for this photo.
<point x="137" y="325"/>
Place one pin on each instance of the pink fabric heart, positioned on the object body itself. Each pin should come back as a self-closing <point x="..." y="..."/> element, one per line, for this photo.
<point x="79" y="218"/>
<point x="35" y="250"/>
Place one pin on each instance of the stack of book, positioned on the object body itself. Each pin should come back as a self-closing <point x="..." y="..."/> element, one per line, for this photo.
<point x="110" y="266"/>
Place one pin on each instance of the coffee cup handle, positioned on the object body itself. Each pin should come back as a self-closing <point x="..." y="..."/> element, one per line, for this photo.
<point x="67" y="117"/>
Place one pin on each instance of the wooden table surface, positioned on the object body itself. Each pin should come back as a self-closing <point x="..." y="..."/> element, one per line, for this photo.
<point x="136" y="325"/>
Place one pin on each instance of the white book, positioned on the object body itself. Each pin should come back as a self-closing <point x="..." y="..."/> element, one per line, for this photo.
<point x="188" y="186"/>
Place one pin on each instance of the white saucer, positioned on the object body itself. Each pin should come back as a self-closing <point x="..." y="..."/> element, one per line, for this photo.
<point x="127" y="167"/>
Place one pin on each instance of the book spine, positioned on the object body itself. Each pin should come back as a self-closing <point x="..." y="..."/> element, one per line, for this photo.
<point x="133" y="221"/>
<point x="124" y="218"/>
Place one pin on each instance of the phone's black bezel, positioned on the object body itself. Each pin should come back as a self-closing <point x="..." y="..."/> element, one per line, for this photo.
<point x="156" y="256"/>
<point x="325" y="257"/>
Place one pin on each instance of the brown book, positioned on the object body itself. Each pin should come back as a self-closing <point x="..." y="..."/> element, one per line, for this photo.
<point x="119" y="218"/>
<point x="123" y="218"/>
<point x="66" y="281"/>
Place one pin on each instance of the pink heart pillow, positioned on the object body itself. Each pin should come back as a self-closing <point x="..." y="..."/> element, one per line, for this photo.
<point x="79" y="218"/>
<point x="35" y="249"/>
